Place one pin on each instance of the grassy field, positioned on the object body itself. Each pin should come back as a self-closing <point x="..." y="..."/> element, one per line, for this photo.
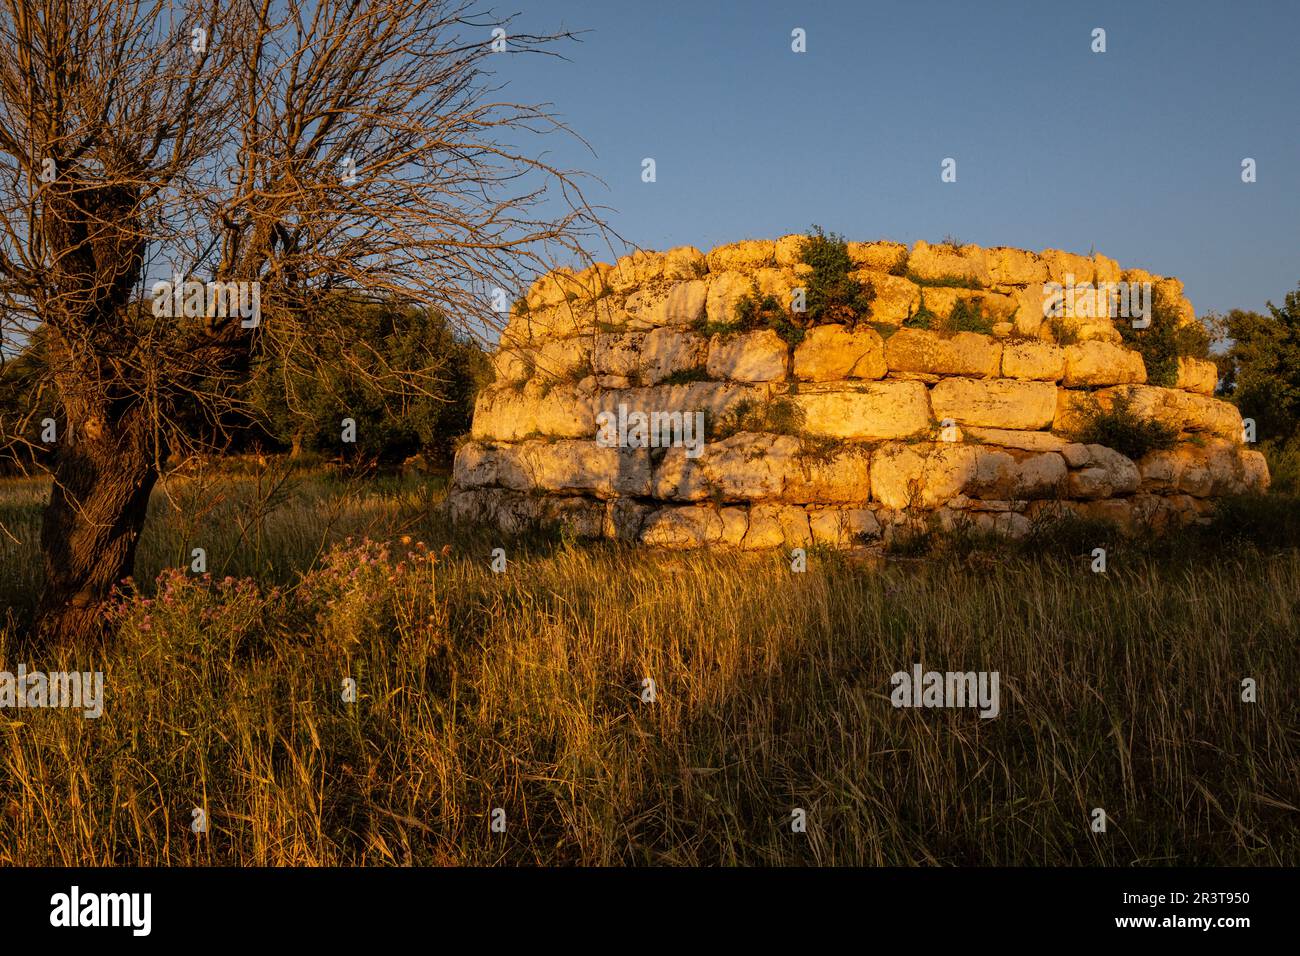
<point x="523" y="691"/>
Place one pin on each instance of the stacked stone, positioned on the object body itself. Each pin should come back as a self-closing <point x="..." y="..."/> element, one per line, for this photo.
<point x="967" y="426"/>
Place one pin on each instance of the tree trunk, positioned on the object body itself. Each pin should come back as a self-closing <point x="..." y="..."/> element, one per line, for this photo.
<point x="103" y="476"/>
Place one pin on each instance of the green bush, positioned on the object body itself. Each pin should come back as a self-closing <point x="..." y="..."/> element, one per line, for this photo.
<point x="1164" y="342"/>
<point x="1123" y="429"/>
<point x="832" y="294"/>
<point x="1260" y="368"/>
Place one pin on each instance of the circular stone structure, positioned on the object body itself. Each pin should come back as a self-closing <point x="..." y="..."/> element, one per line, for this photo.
<point x="632" y="402"/>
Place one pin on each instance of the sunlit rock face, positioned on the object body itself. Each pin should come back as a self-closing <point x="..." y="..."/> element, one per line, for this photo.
<point x="682" y="400"/>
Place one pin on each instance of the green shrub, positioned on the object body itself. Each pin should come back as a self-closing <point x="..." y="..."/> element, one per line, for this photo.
<point x="1123" y="429"/>
<point x="686" y="376"/>
<point x="832" y="294"/>
<point x="969" y="316"/>
<point x="1261" y="367"/>
<point x="1163" y="342"/>
<point x="945" y="282"/>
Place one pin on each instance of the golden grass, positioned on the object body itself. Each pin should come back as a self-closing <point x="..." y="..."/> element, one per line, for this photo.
<point x="522" y="691"/>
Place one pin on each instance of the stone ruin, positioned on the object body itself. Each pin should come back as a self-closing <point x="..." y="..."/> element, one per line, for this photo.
<point x="842" y="435"/>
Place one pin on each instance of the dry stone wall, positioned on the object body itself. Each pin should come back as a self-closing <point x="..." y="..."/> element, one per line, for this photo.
<point x="847" y="434"/>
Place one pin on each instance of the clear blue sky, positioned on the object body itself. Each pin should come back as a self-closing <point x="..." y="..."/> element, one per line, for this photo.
<point x="1136" y="151"/>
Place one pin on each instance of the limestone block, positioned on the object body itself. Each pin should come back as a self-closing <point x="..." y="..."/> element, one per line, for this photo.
<point x="1108" y="474"/>
<point x="775" y="526"/>
<point x="759" y="356"/>
<point x="966" y="353"/>
<point x="1197" y="375"/>
<point x="511" y="415"/>
<point x="943" y="262"/>
<point x="1015" y="267"/>
<point x="1036" y="361"/>
<point x="843" y="527"/>
<point x="617" y="353"/>
<point x="743" y="256"/>
<point x="995" y="403"/>
<point x="666" y="351"/>
<point x="725" y="290"/>
<point x="872" y="410"/>
<point x="1102" y="363"/>
<point x="829" y="353"/>
<point x="573" y="466"/>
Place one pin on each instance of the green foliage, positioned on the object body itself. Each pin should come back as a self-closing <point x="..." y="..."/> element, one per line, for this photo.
<point x="966" y="315"/>
<point x="756" y="311"/>
<point x="969" y="316"/>
<point x="776" y="417"/>
<point x="1283" y="464"/>
<point x="686" y="376"/>
<point x="945" y="282"/>
<point x="1123" y="429"/>
<point x="401" y="372"/>
<point x="1163" y="342"/>
<point x="1261" y="367"/>
<point x="922" y="318"/>
<point x="833" y="295"/>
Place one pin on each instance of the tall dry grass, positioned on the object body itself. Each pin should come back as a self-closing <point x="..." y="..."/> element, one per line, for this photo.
<point x="523" y="691"/>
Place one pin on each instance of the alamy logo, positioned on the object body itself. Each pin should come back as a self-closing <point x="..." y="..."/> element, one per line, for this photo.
<point x="1105" y="300"/>
<point x="948" y="689"/>
<point x="192" y="299"/>
<point x="637" y="429"/>
<point x="84" y="689"/>
<point x="103" y="909"/>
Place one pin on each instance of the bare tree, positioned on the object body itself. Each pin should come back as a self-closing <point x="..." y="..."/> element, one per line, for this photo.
<point x="279" y="154"/>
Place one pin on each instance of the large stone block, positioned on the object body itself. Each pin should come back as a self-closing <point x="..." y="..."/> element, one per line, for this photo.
<point x="1213" y="468"/>
<point x="510" y="415"/>
<point x="559" y="359"/>
<point x="1197" y="375"/>
<point x="749" y="466"/>
<point x="896" y="296"/>
<point x="829" y="353"/>
<point x="1012" y="438"/>
<point x="996" y="403"/>
<point x="927" y="475"/>
<point x="684" y="262"/>
<point x="617" y="353"/>
<point x="759" y="356"/>
<point x="1108" y="474"/>
<point x="683" y="304"/>
<point x="1036" y="361"/>
<point x="573" y="467"/>
<point x="678" y="528"/>
<point x="870" y="411"/>
<point x="841" y="476"/>
<point x="475" y="465"/>
<point x="636" y="269"/>
<point x="966" y="353"/>
<point x="725" y="291"/>
<point x="1066" y="267"/>
<point x="944" y="262"/>
<point x="843" y="527"/>
<point x="715" y="399"/>
<point x="877" y="256"/>
<point x="775" y="526"/>
<point x="1014" y="267"/>
<point x="1102" y="363"/>
<point x="745" y="256"/>
<point x="666" y="352"/>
